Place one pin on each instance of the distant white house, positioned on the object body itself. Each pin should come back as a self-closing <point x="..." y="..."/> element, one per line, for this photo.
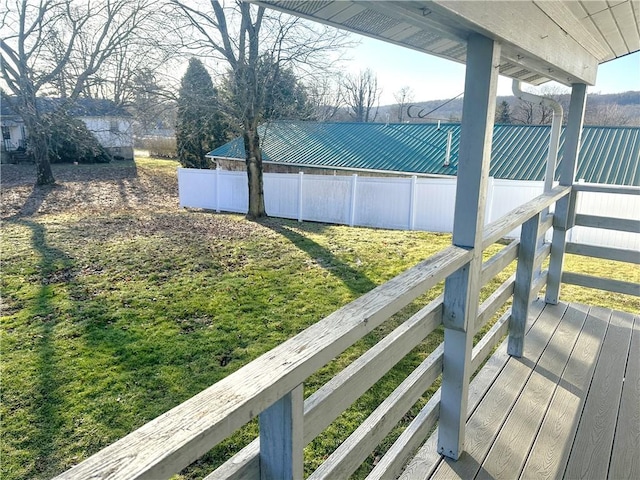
<point x="111" y="124"/>
<point x="13" y="133"/>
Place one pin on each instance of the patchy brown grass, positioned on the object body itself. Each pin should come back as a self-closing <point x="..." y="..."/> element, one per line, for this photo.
<point x="150" y="185"/>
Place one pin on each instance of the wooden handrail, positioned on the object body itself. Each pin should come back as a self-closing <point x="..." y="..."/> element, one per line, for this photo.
<point x="604" y="252"/>
<point x="373" y="364"/>
<point x="601" y="188"/>
<point x="595" y="221"/>
<point x="599" y="283"/>
<point x="499" y="261"/>
<point x="175" y="439"/>
<point x="518" y="216"/>
<point x="607" y="253"/>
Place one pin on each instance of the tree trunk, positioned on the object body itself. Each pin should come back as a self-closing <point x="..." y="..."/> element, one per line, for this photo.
<point x="253" y="156"/>
<point x="44" y="174"/>
<point x="38" y="144"/>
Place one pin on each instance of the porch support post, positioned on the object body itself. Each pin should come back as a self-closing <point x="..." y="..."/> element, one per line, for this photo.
<point x="462" y="287"/>
<point x="564" y="215"/>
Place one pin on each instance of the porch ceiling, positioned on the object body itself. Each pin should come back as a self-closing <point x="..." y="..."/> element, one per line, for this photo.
<point x="541" y="40"/>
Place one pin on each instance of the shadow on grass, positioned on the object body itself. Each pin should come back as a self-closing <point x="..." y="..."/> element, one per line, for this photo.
<point x="14" y="175"/>
<point x="77" y="185"/>
<point x="46" y="400"/>
<point x="34" y="201"/>
<point x="54" y="266"/>
<point x="354" y="280"/>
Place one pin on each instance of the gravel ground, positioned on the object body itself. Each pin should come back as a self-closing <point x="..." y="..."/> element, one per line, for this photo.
<point x="118" y="186"/>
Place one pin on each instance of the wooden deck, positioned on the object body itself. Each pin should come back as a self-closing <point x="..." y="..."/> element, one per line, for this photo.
<point x="569" y="408"/>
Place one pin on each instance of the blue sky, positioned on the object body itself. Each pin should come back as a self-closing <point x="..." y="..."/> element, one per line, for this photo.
<point x="433" y="78"/>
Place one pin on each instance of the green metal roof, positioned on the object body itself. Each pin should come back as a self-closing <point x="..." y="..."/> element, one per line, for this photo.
<point x="608" y="154"/>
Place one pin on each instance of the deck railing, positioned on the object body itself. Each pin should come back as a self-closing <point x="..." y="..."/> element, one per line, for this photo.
<point x="271" y="387"/>
<point x="607" y="253"/>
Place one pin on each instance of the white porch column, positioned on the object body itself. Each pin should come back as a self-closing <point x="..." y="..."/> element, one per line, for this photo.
<point x="462" y="287"/>
<point x="564" y="214"/>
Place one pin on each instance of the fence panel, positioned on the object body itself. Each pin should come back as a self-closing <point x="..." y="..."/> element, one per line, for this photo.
<point x="326" y="198"/>
<point x="281" y="195"/>
<point x="234" y="192"/>
<point x="435" y="204"/>
<point x="509" y="194"/>
<point x="606" y="205"/>
<point x="197" y="188"/>
<point x="391" y="202"/>
<point x="383" y="202"/>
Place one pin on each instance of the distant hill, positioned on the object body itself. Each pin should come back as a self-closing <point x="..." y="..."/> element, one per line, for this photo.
<point x="602" y="109"/>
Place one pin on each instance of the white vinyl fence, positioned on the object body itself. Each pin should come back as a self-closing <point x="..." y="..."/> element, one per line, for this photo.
<point x="607" y="205"/>
<point x="410" y="203"/>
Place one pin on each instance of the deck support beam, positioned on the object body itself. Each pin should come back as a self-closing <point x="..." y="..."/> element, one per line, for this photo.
<point x="462" y="287"/>
<point x="281" y="438"/>
<point x="564" y="214"/>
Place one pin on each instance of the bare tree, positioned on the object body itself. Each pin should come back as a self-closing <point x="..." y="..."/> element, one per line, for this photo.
<point x="404" y="97"/>
<point x="152" y="102"/>
<point x="59" y="46"/>
<point x="608" y="114"/>
<point x="244" y="37"/>
<point x="525" y="112"/>
<point x="327" y="97"/>
<point x="145" y="63"/>
<point x="537" y="114"/>
<point x="362" y="95"/>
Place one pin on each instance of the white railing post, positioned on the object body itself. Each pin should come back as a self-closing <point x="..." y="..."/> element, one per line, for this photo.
<point x="352" y="210"/>
<point x="300" y="195"/>
<point x="462" y="287"/>
<point x="218" y="170"/>
<point x="281" y="438"/>
<point x="564" y="213"/>
<point x="522" y="288"/>
<point x="412" y="203"/>
<point x="489" y="217"/>
<point x="181" y="186"/>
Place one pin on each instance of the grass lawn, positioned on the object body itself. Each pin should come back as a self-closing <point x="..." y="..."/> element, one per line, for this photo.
<point x="117" y="305"/>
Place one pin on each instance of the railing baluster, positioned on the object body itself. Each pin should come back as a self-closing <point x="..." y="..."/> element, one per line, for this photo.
<point x="524" y="280"/>
<point x="281" y="438"/>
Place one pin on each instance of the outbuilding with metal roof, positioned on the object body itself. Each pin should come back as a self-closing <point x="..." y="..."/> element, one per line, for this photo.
<point x="609" y="155"/>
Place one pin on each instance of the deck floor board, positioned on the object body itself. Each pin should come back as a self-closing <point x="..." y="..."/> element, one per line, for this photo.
<point x="494" y="408"/>
<point x="568" y="408"/>
<point x="591" y="452"/>
<point x="625" y="461"/>
<point x="550" y="453"/>
<point x="510" y="449"/>
<point x="427" y="460"/>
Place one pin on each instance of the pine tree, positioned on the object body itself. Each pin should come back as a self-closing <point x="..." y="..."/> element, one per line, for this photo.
<point x="503" y="114"/>
<point x="200" y="127"/>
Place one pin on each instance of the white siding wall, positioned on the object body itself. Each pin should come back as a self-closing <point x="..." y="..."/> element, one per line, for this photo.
<point x="120" y="137"/>
<point x="16" y="134"/>
<point x="389" y="202"/>
<point x="109" y="137"/>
